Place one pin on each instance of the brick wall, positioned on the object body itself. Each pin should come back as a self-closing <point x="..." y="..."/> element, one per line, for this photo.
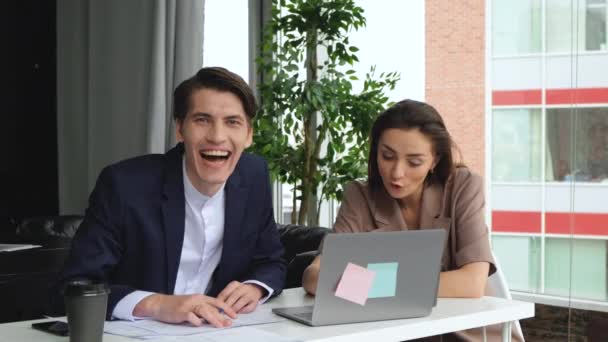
<point x="551" y="323"/>
<point x="455" y="81"/>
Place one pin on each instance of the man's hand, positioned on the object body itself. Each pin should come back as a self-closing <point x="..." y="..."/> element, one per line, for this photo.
<point x="196" y="309"/>
<point x="242" y="298"/>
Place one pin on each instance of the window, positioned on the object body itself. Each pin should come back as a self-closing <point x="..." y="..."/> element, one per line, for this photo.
<point x="516" y="145"/>
<point x="571" y="27"/>
<point x="226" y="42"/>
<point x="522" y="269"/>
<point x="596" y="25"/>
<point x="516" y="27"/>
<point x="576" y="268"/>
<point x="407" y="59"/>
<point x="586" y="131"/>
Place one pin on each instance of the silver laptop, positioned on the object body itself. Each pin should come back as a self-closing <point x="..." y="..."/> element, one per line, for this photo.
<point x="411" y="258"/>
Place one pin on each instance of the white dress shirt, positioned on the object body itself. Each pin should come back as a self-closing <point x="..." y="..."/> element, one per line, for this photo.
<point x="201" y="250"/>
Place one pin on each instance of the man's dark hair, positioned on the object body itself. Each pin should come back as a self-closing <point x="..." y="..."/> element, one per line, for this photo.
<point x="410" y="114"/>
<point x="215" y="78"/>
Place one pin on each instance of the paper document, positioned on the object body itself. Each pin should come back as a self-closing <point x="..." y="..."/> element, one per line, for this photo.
<point x="145" y="329"/>
<point x="11" y="247"/>
<point x="241" y="334"/>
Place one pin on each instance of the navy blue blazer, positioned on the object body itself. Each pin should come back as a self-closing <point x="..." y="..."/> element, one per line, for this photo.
<point x="133" y="229"/>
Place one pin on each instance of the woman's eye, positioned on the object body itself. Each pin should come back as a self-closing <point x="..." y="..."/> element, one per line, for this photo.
<point x="387" y="156"/>
<point x="415" y="163"/>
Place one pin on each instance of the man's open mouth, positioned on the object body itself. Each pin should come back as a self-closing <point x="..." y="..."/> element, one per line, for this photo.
<point x="215" y="155"/>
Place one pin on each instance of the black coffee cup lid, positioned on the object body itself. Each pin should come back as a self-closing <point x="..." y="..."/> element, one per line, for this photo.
<point x="84" y="287"/>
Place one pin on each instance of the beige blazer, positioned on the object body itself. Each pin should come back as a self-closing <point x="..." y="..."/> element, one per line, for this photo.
<point x="458" y="207"/>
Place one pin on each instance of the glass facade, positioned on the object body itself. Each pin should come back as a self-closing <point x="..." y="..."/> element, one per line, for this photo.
<point x="549" y="164"/>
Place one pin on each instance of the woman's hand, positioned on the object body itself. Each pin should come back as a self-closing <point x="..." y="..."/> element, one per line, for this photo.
<point x="311" y="276"/>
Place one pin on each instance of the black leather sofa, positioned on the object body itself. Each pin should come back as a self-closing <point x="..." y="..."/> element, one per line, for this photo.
<point x="26" y="276"/>
<point x="300" y="243"/>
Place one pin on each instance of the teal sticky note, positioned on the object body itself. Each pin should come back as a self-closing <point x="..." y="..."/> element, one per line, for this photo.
<point x="385" y="281"/>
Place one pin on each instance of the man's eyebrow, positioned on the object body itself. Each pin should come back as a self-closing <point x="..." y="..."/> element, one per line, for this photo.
<point x="234" y="117"/>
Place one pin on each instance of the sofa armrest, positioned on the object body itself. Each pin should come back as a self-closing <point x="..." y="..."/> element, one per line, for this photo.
<point x="48" y="227"/>
<point x="8" y="229"/>
<point x="295" y="269"/>
<point x="301" y="244"/>
<point x="298" y="239"/>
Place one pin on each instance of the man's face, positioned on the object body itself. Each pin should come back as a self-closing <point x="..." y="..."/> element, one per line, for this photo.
<point x="215" y="132"/>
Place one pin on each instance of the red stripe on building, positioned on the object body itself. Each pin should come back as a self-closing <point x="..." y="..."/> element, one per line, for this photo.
<point x="516" y="97"/>
<point x="576" y="223"/>
<point x="554" y="96"/>
<point x="516" y="221"/>
<point x="581" y="95"/>
<point x="555" y="222"/>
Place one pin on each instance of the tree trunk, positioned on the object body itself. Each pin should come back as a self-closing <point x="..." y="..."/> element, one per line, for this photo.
<point x="308" y="209"/>
<point x="294" y="206"/>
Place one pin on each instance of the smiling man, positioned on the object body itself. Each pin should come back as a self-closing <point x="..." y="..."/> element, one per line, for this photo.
<point x="188" y="236"/>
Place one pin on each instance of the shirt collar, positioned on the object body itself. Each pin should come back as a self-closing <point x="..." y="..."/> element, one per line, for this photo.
<point x="193" y="196"/>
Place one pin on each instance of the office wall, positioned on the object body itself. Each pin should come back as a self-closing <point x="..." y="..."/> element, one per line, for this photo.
<point x="28" y="139"/>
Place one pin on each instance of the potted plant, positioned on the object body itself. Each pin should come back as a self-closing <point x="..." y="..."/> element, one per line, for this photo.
<point x="312" y="127"/>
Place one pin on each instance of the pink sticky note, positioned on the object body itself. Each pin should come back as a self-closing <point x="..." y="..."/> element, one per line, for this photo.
<point x="355" y="283"/>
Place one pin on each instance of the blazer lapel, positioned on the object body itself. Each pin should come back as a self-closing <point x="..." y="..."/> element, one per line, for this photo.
<point x="431" y="215"/>
<point x="386" y="212"/>
<point x="235" y="201"/>
<point x="174" y="211"/>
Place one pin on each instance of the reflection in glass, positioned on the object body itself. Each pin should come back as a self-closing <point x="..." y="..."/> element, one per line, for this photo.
<point x="563" y="35"/>
<point x="596" y="25"/>
<point x="521" y="269"/>
<point x="516" y="27"/>
<point x="572" y="26"/>
<point x="588" y="128"/>
<point x="516" y="145"/>
<point x="576" y="268"/>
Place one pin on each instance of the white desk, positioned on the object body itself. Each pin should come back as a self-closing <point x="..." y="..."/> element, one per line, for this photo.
<point x="449" y="315"/>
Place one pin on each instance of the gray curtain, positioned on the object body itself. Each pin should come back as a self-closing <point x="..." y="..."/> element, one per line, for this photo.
<point x="117" y="65"/>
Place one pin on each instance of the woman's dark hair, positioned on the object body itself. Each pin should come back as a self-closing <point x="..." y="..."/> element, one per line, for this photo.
<point x="215" y="78"/>
<point x="410" y="114"/>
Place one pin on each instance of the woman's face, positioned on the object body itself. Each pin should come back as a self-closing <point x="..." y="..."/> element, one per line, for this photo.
<point x="405" y="157"/>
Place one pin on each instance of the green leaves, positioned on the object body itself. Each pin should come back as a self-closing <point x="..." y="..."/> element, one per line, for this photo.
<point x="311" y="127"/>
